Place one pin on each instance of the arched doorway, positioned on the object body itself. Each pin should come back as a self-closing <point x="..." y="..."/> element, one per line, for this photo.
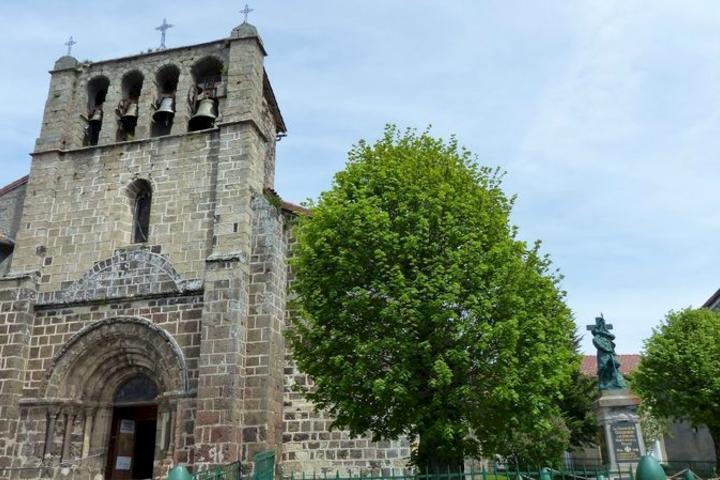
<point x="131" y="449"/>
<point x="122" y="374"/>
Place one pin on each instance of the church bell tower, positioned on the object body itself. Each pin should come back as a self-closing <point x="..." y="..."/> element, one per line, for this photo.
<point x="146" y="293"/>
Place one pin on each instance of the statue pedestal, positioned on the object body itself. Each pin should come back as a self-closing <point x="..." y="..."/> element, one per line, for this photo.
<point x="617" y="412"/>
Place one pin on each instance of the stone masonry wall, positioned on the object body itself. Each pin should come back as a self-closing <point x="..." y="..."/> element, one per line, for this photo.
<point x="44" y="433"/>
<point x="80" y="212"/>
<point x="17" y="296"/>
<point x="311" y="445"/>
<point x="266" y="344"/>
<point x="55" y="325"/>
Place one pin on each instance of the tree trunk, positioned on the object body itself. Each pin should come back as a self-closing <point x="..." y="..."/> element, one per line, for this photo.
<point x="437" y="457"/>
<point x="715" y="434"/>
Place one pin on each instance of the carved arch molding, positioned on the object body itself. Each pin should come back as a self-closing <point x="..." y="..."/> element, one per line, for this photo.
<point x="85" y="374"/>
<point x="130" y="272"/>
<point x="104" y="355"/>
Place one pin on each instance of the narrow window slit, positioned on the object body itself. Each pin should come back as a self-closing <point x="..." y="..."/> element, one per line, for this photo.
<point x="141" y="200"/>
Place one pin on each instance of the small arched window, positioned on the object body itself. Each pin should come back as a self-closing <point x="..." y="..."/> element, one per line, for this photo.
<point x="141" y="196"/>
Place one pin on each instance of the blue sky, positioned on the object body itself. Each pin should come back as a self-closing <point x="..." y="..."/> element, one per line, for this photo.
<point x="605" y="114"/>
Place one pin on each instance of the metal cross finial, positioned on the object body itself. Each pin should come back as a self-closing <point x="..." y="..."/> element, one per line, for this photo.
<point x="163" y="28"/>
<point x="70" y="44"/>
<point x="246" y="11"/>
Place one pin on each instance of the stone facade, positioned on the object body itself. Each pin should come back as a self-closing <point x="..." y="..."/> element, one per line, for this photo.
<point x="184" y="331"/>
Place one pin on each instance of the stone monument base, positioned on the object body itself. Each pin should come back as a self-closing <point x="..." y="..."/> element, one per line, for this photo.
<point x="617" y="412"/>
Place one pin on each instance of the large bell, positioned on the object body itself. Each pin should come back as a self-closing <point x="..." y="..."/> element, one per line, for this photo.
<point x="204" y="115"/>
<point x="165" y="111"/>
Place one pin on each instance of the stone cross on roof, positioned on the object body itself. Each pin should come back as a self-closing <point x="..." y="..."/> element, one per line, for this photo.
<point x="246" y="11"/>
<point x="70" y="44"/>
<point x="163" y="28"/>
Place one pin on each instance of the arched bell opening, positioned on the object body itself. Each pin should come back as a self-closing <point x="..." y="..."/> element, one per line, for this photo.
<point x="124" y="376"/>
<point x="203" y="97"/>
<point x="166" y="82"/>
<point x="128" y="109"/>
<point x="97" y="89"/>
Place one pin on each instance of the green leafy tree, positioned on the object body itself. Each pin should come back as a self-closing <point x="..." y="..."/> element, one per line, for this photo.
<point x="679" y="372"/>
<point x="577" y="426"/>
<point x="578" y="411"/>
<point x="420" y="312"/>
<point x="577" y="407"/>
<point x="653" y="428"/>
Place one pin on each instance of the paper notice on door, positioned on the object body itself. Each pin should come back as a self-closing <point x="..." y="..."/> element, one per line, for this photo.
<point x="127" y="426"/>
<point x="123" y="463"/>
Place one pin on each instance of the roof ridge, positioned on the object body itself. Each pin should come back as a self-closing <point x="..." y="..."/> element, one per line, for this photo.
<point x="13" y="185"/>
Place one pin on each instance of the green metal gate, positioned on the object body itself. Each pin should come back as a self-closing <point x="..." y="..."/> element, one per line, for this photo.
<point x="264" y="466"/>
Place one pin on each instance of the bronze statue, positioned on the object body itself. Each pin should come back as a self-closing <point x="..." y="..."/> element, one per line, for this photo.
<point x="608" y="366"/>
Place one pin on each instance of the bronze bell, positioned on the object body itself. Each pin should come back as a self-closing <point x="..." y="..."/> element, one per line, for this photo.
<point x="131" y="113"/>
<point x="129" y="118"/>
<point x="204" y="115"/>
<point x="165" y="111"/>
<point x="96" y="116"/>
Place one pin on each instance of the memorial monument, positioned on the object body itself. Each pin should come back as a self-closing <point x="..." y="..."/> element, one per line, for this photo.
<point x="617" y="407"/>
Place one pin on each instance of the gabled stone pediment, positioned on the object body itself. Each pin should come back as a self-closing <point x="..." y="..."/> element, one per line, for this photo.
<point x="136" y="272"/>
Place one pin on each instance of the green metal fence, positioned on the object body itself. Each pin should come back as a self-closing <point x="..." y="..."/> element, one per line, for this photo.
<point x="701" y="470"/>
<point x="264" y="470"/>
<point x="231" y="471"/>
<point x="498" y="473"/>
<point x="704" y="468"/>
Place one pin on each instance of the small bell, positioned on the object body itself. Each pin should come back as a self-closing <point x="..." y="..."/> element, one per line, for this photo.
<point x="96" y="116"/>
<point x="129" y="118"/>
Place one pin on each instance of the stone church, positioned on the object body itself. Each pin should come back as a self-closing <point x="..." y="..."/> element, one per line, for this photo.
<point x="144" y="277"/>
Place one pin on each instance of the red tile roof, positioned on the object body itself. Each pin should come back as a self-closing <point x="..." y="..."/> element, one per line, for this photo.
<point x="12" y="186"/>
<point x="628" y="363"/>
<point x="287" y="206"/>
